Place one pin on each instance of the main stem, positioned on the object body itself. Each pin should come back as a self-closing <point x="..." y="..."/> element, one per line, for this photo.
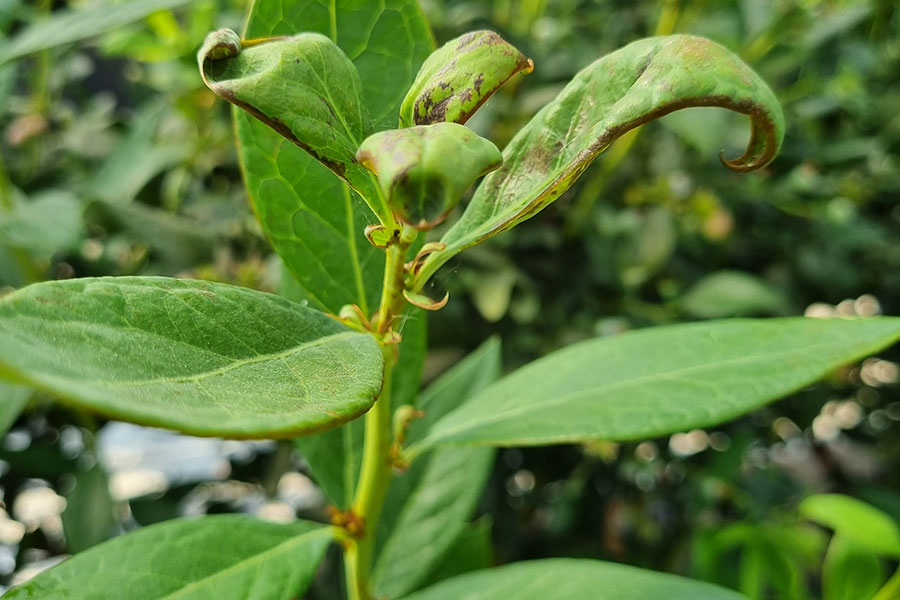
<point x="376" y="468"/>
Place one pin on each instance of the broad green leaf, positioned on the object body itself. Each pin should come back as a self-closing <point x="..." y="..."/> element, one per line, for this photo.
<point x="223" y="557"/>
<point x="88" y="518"/>
<point x="13" y="399"/>
<point x="49" y="222"/>
<point x="623" y="90"/>
<point x="572" y="579"/>
<point x="423" y="171"/>
<point x="850" y="571"/>
<point x="428" y="507"/>
<point x="314" y="221"/>
<point x="303" y="86"/>
<point x="65" y="27"/>
<point x="861" y="523"/>
<point x="334" y="456"/>
<point x="199" y="357"/>
<point x="731" y="294"/>
<point x="658" y="381"/>
<point x="459" y="77"/>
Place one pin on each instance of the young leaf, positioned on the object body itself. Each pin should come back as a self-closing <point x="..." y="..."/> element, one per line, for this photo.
<point x="459" y="77"/>
<point x="423" y="171"/>
<point x="13" y="399"/>
<point x="224" y="557"/>
<point x="314" y="221"/>
<point x="572" y="579"/>
<point x="623" y="90"/>
<point x="304" y="87"/>
<point x="658" y="381"/>
<point x="70" y="26"/>
<point x="199" y="357"/>
<point x="859" y="522"/>
<point x="850" y="571"/>
<point x="428" y="508"/>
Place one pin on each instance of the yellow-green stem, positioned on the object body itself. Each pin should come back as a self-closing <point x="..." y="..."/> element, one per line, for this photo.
<point x="891" y="589"/>
<point x="375" y="476"/>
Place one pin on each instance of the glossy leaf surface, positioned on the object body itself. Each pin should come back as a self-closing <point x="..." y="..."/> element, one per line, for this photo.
<point x="227" y="557"/>
<point x="70" y="26"/>
<point x="572" y="579"/>
<point x="459" y="77"/>
<point x="424" y="171"/>
<point x="314" y="221"/>
<point x="444" y="492"/>
<point x="863" y="524"/>
<point x="661" y="380"/>
<point x="623" y="90"/>
<point x="199" y="357"/>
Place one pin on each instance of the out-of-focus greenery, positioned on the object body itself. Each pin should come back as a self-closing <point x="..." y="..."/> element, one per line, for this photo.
<point x="115" y="160"/>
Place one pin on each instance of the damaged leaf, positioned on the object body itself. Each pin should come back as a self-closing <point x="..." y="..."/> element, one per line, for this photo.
<point x="459" y="77"/>
<point x="623" y="90"/>
<point x="423" y="171"/>
<point x="304" y="87"/>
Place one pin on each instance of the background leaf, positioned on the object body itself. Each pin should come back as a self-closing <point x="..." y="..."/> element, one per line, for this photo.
<point x="731" y="294"/>
<point x="224" y="557"/>
<point x="314" y="221"/>
<point x="571" y="579"/>
<point x="13" y="399"/>
<point x="862" y="523"/>
<point x="850" y="572"/>
<point x="660" y="380"/>
<point x="88" y="518"/>
<point x="203" y="358"/>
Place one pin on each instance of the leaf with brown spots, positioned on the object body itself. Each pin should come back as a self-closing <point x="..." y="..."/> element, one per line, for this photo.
<point x="304" y="87"/>
<point x="623" y="90"/>
<point x="423" y="171"/>
<point x="459" y="77"/>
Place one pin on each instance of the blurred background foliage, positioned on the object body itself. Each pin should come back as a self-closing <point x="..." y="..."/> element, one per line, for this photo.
<point x="114" y="160"/>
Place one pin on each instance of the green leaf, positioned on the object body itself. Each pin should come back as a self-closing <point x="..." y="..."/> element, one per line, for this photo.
<point x="623" y="90"/>
<point x="862" y="523"/>
<point x="459" y="77"/>
<point x="472" y="550"/>
<point x="49" y="222"/>
<point x="13" y="399"/>
<point x="731" y="294"/>
<point x="850" y="571"/>
<point x="433" y="503"/>
<point x="572" y="579"/>
<point x="658" y="381"/>
<point x="314" y="221"/>
<point x="303" y="86"/>
<point x="88" y="518"/>
<point x="199" y="357"/>
<point x="423" y="171"/>
<point x="224" y="557"/>
<point x="65" y="27"/>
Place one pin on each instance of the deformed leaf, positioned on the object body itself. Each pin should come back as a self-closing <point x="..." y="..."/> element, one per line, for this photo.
<point x="658" y="381"/>
<point x="423" y="171"/>
<point x="623" y="90"/>
<point x="572" y="579"/>
<point x="227" y="557"/>
<point x="459" y="77"/>
<point x="863" y="524"/>
<point x="199" y="357"/>
<point x="303" y="86"/>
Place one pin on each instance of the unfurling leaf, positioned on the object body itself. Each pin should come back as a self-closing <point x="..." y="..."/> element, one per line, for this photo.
<point x="198" y="357"/>
<point x="623" y="90"/>
<point x="423" y="171"/>
<point x="459" y="77"/>
<point x="304" y="87"/>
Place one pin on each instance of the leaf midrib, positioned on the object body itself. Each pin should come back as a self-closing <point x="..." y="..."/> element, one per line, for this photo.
<point x="524" y="409"/>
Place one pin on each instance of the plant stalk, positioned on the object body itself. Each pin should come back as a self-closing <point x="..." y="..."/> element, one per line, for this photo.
<point x="375" y="475"/>
<point x="891" y="589"/>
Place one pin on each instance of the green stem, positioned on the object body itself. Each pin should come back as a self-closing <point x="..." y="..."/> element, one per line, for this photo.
<point x="891" y="590"/>
<point x="375" y="476"/>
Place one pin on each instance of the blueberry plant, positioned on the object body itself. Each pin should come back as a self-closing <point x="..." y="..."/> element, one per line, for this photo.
<point x="351" y="133"/>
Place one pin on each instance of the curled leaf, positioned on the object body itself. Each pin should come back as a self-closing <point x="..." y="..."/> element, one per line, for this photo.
<point x="303" y="86"/>
<point x="423" y="171"/>
<point x="459" y="77"/>
<point x="423" y="301"/>
<point x="623" y="90"/>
